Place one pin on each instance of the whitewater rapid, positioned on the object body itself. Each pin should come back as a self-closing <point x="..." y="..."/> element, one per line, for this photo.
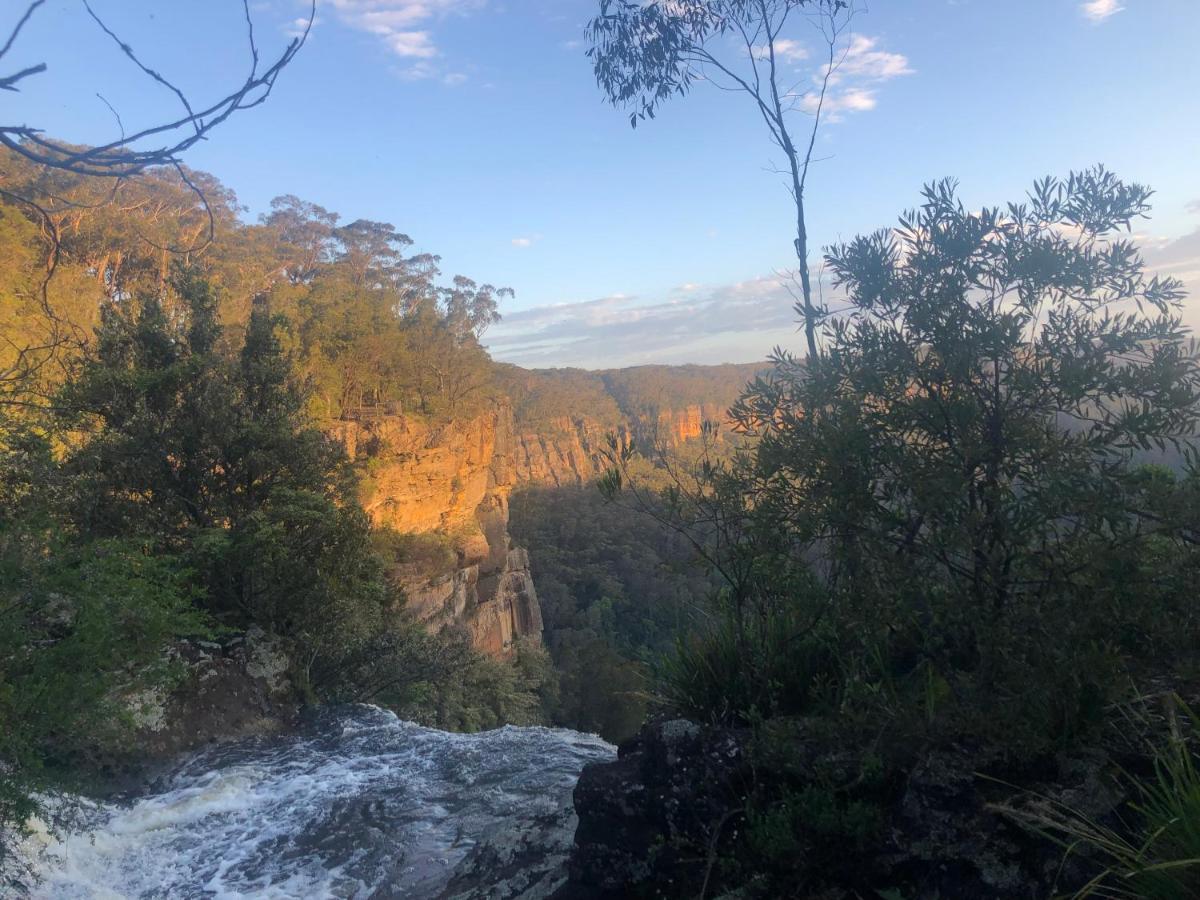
<point x="359" y="805"/>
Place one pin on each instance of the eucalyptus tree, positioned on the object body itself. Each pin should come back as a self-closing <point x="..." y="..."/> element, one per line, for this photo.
<point x="122" y="155"/>
<point x="643" y="53"/>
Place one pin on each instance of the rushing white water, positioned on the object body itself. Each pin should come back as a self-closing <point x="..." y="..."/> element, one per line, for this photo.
<point x="361" y="805"/>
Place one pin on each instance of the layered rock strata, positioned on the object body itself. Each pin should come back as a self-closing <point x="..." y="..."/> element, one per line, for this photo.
<point x="453" y="480"/>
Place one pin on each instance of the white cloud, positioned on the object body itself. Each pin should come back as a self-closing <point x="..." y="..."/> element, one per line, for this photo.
<point x="785" y="49"/>
<point x="857" y="99"/>
<point x="737" y="322"/>
<point x="853" y="79"/>
<point x="693" y="323"/>
<point x="420" y="70"/>
<point x="418" y="44"/>
<point x="864" y="61"/>
<point x="1099" y="10"/>
<point x="297" y="27"/>
<point x="403" y="26"/>
<point x="524" y="242"/>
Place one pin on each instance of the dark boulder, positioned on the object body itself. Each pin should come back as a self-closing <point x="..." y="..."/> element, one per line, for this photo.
<point x="669" y="818"/>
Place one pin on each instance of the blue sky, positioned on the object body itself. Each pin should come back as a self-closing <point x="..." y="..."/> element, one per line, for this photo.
<point x="476" y="127"/>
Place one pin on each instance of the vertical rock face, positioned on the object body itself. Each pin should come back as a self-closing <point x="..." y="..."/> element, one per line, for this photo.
<point x="454" y="480"/>
<point x="570" y="451"/>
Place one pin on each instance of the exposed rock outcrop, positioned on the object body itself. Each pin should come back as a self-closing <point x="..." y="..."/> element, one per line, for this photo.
<point x="659" y="820"/>
<point x="455" y="480"/>
<point x="566" y="452"/>
<point x="570" y="451"/>
<point x="233" y="689"/>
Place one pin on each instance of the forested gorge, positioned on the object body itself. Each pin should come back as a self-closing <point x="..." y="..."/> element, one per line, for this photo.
<point x="166" y="474"/>
<point x="172" y="378"/>
<point x="941" y="533"/>
<point x="913" y="615"/>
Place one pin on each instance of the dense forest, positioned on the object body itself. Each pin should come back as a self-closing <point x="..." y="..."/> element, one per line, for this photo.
<point x="164" y="471"/>
<point x="617" y="589"/>
<point x="168" y="473"/>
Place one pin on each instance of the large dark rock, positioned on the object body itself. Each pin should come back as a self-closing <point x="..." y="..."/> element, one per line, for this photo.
<point x="667" y="819"/>
<point x="645" y="819"/>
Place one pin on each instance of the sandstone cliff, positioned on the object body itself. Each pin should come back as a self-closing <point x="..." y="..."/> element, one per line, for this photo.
<point x="570" y="450"/>
<point x="564" y="417"/>
<point x="453" y="480"/>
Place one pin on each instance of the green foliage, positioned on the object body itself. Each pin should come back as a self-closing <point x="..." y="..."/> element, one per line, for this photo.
<point x="643" y="392"/>
<point x="815" y="810"/>
<point x="943" y="531"/>
<point x="645" y="53"/>
<point x="421" y="556"/>
<point x="83" y="629"/>
<point x="212" y="458"/>
<point x="487" y="693"/>
<point x="1156" y="854"/>
<point x="542" y="399"/>
<point x="749" y="669"/>
<point x="373" y="329"/>
<point x="615" y="588"/>
<point x="958" y="472"/>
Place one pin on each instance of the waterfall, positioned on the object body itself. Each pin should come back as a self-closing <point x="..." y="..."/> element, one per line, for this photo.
<point x="360" y="804"/>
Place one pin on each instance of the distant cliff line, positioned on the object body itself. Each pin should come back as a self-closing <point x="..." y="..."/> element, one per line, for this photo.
<point x="451" y="481"/>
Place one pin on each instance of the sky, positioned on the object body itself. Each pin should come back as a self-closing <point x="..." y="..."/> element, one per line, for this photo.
<point x="476" y="127"/>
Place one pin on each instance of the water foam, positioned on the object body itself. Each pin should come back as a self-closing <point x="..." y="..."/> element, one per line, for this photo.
<point x="361" y="804"/>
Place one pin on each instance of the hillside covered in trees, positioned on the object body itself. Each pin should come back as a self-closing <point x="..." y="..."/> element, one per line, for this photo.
<point x="174" y="473"/>
<point x="303" y="593"/>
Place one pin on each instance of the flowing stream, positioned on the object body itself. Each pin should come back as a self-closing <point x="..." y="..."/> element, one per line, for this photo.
<point x="359" y="805"/>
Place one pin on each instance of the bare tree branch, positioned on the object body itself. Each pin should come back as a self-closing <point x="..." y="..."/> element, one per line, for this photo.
<point x="119" y="159"/>
<point x="122" y="157"/>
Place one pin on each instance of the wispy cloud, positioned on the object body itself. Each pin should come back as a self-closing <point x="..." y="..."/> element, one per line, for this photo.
<point x="1099" y="10"/>
<point x="298" y="26"/>
<point x="854" y="78"/>
<point x="524" y="242"/>
<point x="737" y="322"/>
<point x="785" y="49"/>
<point x="403" y="26"/>
<point x="864" y="60"/>
<point x="730" y="323"/>
<point x="856" y="99"/>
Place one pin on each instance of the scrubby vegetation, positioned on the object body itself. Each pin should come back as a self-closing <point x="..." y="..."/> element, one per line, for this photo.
<point x="943" y="534"/>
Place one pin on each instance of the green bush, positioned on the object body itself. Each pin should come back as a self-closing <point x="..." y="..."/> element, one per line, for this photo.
<point x="742" y="670"/>
<point x="1155" y="853"/>
<point x="959" y="475"/>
